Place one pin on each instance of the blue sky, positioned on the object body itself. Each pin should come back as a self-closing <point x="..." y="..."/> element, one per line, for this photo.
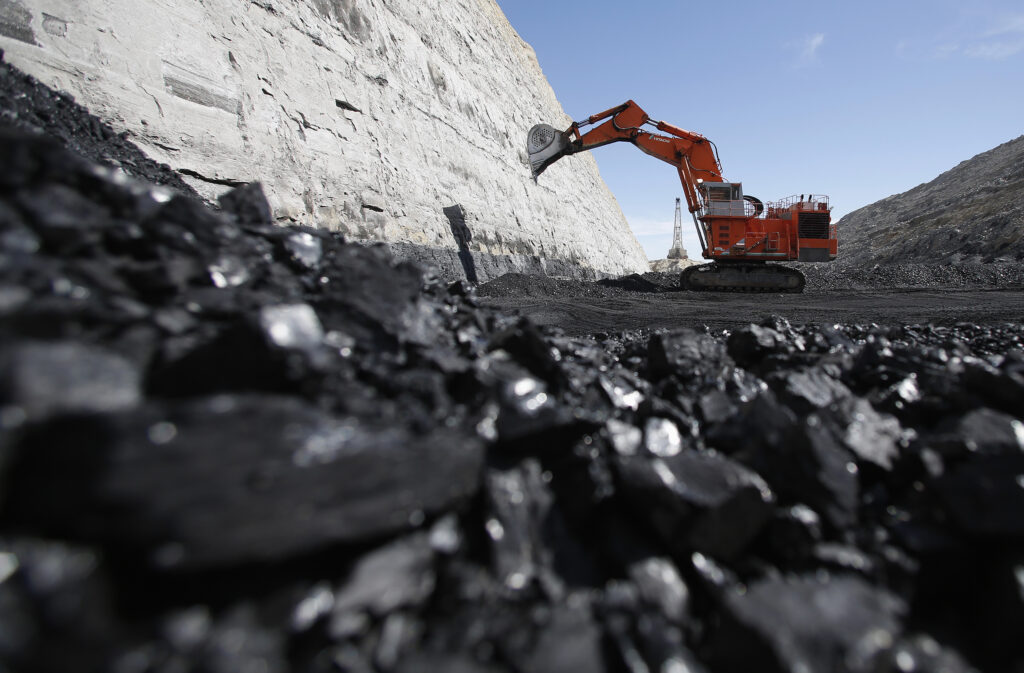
<point x="857" y="100"/>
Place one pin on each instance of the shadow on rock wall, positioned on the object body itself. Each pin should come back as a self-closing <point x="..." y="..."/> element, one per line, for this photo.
<point x="460" y="230"/>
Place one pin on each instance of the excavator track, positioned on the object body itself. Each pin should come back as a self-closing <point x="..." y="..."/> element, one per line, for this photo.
<point x="739" y="277"/>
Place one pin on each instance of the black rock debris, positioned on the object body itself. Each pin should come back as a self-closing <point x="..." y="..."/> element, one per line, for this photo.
<point x="227" y="446"/>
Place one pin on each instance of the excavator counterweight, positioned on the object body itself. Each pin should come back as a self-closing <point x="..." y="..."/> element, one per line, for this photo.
<point x="739" y="233"/>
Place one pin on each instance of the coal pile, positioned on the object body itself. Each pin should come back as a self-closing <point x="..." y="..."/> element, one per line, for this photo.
<point x="526" y="286"/>
<point x="234" y="446"/>
<point x="231" y="446"/>
<point x="28" y="105"/>
<point x="824" y="278"/>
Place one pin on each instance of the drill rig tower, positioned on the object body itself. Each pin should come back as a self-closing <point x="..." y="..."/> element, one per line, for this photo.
<point x="677" y="251"/>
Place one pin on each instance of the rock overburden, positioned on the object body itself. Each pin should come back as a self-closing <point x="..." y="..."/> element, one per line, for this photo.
<point x="229" y="446"/>
<point x="397" y="121"/>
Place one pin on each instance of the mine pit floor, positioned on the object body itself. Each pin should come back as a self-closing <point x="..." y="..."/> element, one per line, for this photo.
<point x="720" y="310"/>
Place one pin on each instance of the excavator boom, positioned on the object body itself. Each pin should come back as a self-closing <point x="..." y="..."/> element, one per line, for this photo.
<point x="738" y="232"/>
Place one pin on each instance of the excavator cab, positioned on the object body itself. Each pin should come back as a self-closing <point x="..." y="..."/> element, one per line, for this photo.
<point x="723" y="198"/>
<point x="722" y="191"/>
<point x="727" y="199"/>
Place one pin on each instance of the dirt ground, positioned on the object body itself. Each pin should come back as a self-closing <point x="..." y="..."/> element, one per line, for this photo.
<point x="717" y="310"/>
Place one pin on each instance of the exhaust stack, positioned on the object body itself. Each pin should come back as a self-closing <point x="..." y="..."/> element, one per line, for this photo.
<point x="545" y="145"/>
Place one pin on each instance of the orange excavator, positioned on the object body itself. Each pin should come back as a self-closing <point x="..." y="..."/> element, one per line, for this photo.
<point x="738" y="233"/>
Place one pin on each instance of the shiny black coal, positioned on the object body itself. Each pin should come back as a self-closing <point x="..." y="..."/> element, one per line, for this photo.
<point x="232" y="446"/>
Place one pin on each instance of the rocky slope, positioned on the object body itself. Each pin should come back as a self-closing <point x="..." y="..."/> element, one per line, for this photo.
<point x="400" y="121"/>
<point x="971" y="213"/>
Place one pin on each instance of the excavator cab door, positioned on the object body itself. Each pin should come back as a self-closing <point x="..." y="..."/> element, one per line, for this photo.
<point x="545" y="145"/>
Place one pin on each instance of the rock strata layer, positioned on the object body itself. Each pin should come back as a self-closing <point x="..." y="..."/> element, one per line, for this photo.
<point x="400" y="121"/>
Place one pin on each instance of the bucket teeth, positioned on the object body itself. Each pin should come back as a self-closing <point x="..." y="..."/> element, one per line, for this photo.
<point x="545" y="145"/>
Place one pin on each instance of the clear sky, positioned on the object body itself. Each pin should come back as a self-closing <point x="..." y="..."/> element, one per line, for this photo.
<point x="857" y="100"/>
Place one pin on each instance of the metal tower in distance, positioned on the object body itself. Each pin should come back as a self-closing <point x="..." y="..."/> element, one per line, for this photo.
<point x="677" y="251"/>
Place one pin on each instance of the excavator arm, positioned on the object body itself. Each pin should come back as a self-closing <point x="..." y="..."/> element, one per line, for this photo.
<point x="693" y="155"/>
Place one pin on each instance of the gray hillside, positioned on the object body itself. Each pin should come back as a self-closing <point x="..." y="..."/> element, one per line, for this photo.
<point x="971" y="213"/>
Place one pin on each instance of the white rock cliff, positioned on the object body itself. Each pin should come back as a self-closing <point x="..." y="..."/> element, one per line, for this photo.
<point x="403" y="121"/>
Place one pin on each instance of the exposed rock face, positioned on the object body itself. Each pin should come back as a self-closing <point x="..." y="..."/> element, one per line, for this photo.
<point x="971" y="213"/>
<point x="400" y="121"/>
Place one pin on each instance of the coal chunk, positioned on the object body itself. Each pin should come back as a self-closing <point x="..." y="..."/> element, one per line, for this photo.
<point x="809" y="389"/>
<point x="698" y="501"/>
<point x="983" y="430"/>
<point x="67" y="222"/>
<point x="525" y="407"/>
<point x="1001" y="387"/>
<point x="47" y="378"/>
<point x="272" y="349"/>
<point x="525" y="343"/>
<point x="872" y="437"/>
<point x="659" y="584"/>
<point x="750" y="345"/>
<point x="794" y="532"/>
<point x="377" y="302"/>
<point x="716" y="406"/>
<point x="291" y="326"/>
<point x="913" y="654"/>
<point x="662" y="438"/>
<point x="56" y="610"/>
<point x="247" y="203"/>
<point x="811" y="466"/>
<point x="203" y="482"/>
<point x="425" y="661"/>
<point x="792" y="625"/>
<point x="305" y="249"/>
<point x="530" y="540"/>
<point x="519" y="503"/>
<point x="569" y="640"/>
<point x="688" y="354"/>
<point x="762" y="423"/>
<point x="195" y="638"/>
<point x="985" y="495"/>
<point x="398" y="575"/>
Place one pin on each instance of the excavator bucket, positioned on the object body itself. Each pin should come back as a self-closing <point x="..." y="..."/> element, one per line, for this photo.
<point x="545" y="144"/>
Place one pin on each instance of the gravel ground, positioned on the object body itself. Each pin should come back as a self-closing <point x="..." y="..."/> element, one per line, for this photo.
<point x="821" y="279"/>
<point x="824" y="278"/>
<point x="978" y="294"/>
